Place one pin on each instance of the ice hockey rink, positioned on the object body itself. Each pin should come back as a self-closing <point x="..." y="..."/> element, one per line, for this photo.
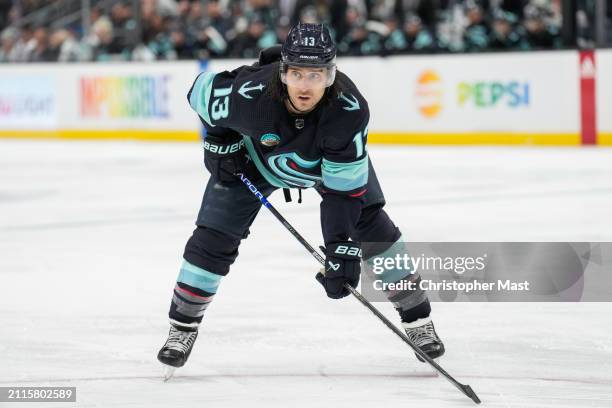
<point x="91" y="238"/>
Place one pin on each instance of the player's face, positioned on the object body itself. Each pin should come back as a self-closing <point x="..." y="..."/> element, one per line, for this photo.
<point x="305" y="86"/>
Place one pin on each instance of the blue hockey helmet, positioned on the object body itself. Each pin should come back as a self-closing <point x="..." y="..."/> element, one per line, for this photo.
<point x="309" y="45"/>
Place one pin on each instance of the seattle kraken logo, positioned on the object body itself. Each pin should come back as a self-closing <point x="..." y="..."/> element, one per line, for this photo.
<point x="281" y="165"/>
<point x="270" y="139"/>
<point x="245" y="89"/>
<point x="352" y="102"/>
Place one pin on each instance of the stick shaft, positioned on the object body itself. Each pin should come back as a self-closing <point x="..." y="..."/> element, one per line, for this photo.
<point x="465" y="389"/>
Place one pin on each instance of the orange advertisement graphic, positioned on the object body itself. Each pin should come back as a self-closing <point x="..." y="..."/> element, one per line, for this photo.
<point x="429" y="94"/>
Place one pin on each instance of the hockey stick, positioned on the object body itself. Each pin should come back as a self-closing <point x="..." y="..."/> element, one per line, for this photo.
<point x="464" y="388"/>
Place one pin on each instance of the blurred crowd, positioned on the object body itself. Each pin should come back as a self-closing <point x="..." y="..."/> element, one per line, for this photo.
<point x="196" y="29"/>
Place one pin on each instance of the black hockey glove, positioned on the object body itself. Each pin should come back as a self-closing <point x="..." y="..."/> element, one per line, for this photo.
<point x="342" y="265"/>
<point x="224" y="158"/>
<point x="269" y="55"/>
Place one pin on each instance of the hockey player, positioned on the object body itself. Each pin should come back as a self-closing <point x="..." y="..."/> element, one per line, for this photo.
<point x="293" y="123"/>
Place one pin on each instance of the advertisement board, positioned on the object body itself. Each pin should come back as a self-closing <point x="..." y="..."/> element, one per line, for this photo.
<point x="495" y="98"/>
<point x="490" y="98"/>
<point x="28" y="100"/>
<point x="110" y="100"/>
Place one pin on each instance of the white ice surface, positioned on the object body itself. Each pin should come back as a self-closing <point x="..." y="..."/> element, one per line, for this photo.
<point x="91" y="238"/>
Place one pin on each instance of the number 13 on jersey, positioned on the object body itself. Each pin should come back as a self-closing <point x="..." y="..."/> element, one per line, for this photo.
<point x="220" y="106"/>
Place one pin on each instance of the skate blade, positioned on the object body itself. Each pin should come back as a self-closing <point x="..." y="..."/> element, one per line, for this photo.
<point x="168" y="373"/>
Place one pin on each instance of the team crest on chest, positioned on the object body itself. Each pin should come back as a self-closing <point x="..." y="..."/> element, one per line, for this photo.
<point x="270" y="139"/>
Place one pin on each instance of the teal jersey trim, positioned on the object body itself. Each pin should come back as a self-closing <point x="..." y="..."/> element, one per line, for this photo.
<point x="392" y="275"/>
<point x="270" y="178"/>
<point x="199" y="278"/>
<point x="345" y="176"/>
<point x="200" y="95"/>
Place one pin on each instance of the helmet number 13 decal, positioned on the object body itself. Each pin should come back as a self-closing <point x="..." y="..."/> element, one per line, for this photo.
<point x="309" y="41"/>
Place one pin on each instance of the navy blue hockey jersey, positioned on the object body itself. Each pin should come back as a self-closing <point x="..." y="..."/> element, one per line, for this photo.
<point x="325" y="148"/>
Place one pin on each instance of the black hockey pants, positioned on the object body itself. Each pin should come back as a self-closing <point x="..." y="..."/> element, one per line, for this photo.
<point x="227" y="212"/>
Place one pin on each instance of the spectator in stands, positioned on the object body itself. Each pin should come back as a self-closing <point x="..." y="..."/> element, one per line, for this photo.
<point x="212" y="31"/>
<point x="450" y="28"/>
<point x="505" y="34"/>
<point x="361" y="41"/>
<point x="539" y="34"/>
<point x="180" y="36"/>
<point x="262" y="10"/>
<point x="159" y="40"/>
<point x="94" y="14"/>
<point x="418" y="38"/>
<point x="309" y="15"/>
<point x="183" y="18"/>
<point x="64" y="46"/>
<point x="23" y="46"/>
<point x="166" y="8"/>
<point x="99" y="45"/>
<point x="381" y="10"/>
<point x="477" y="32"/>
<point x="350" y="43"/>
<point x="7" y="41"/>
<point x="41" y="51"/>
<point x="124" y="26"/>
<point x="282" y="29"/>
<point x="172" y="29"/>
<point x="394" y="40"/>
<point x="219" y="18"/>
<point x="180" y="43"/>
<point x="257" y="37"/>
<point x="330" y="12"/>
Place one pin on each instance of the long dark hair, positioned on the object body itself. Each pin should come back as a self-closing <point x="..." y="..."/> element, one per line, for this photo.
<point x="278" y="91"/>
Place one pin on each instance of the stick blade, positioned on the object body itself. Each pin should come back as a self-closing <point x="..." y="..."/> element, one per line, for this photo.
<point x="470" y="393"/>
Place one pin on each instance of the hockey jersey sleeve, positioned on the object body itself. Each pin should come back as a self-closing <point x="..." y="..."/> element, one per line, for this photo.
<point x="213" y="97"/>
<point x="344" y="166"/>
<point x="344" y="170"/>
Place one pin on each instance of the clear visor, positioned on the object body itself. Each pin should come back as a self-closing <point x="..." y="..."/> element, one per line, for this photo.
<point x="309" y="77"/>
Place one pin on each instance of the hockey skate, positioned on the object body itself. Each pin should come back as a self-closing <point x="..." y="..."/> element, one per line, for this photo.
<point x="423" y="334"/>
<point x="177" y="349"/>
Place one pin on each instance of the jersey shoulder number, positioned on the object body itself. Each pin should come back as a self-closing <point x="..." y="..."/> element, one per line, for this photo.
<point x="219" y="98"/>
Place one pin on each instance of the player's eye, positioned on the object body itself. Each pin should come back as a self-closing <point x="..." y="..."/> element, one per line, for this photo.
<point x="296" y="74"/>
<point x="314" y="76"/>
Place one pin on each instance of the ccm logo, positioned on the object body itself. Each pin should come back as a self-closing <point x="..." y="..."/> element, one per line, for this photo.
<point x="223" y="149"/>
<point x="347" y="250"/>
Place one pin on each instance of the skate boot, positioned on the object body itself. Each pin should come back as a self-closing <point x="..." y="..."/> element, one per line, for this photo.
<point x="178" y="346"/>
<point x="423" y="334"/>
